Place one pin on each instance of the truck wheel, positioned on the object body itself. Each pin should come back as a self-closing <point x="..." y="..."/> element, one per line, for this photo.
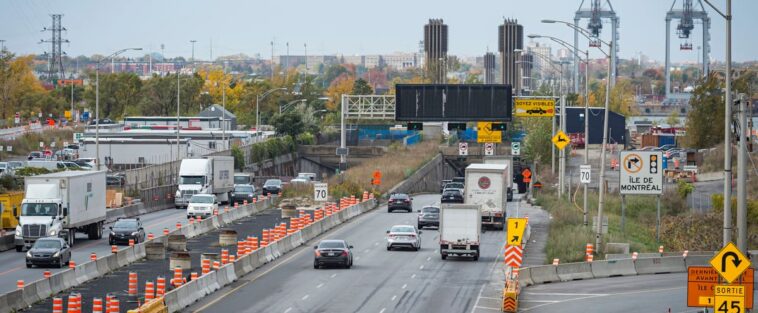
<point x="19" y="248"/>
<point x="476" y="256"/>
<point x="71" y="237"/>
<point x="444" y="256"/>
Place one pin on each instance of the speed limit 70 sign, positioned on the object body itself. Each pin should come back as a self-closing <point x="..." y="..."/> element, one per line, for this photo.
<point x="584" y="173"/>
<point x="320" y="191"/>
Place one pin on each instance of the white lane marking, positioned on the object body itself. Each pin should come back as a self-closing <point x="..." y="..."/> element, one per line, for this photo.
<point x="393" y="298"/>
<point x="428" y="258"/>
<point x="358" y="257"/>
<point x="436" y="251"/>
<point x="413" y="276"/>
<point x="288" y="309"/>
<point x="421" y="267"/>
<point x="492" y="298"/>
<point x="382" y="311"/>
<point x="492" y="270"/>
<point x="605" y="295"/>
<point x="538" y="301"/>
<point x="487" y="308"/>
<point x="333" y="275"/>
<point x="320" y="285"/>
<point x="376" y="243"/>
<point x="563" y="294"/>
<point x="305" y="297"/>
<point x="404" y="285"/>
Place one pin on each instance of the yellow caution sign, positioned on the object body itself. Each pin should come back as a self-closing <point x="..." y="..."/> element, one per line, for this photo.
<point x="534" y="107"/>
<point x="516" y="227"/>
<point x="729" y="299"/>
<point x="560" y="140"/>
<point x="484" y="133"/>
<point x="730" y="262"/>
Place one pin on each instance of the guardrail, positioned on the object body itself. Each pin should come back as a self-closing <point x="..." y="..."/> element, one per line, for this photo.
<point x="61" y="281"/>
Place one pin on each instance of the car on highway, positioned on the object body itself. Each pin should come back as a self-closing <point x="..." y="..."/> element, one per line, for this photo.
<point x="86" y="162"/>
<point x="443" y="183"/>
<point x="667" y="147"/>
<point x="452" y="196"/>
<point x="403" y="236"/>
<point x="332" y="252"/>
<point x="102" y="121"/>
<point x="272" y="186"/>
<point x="242" y="193"/>
<point x="35" y="155"/>
<point x="50" y="251"/>
<point x="70" y="166"/>
<point x="429" y="216"/>
<point x="400" y="201"/>
<point x="202" y="204"/>
<point x="125" y="229"/>
<point x="301" y="179"/>
<point x="454" y="185"/>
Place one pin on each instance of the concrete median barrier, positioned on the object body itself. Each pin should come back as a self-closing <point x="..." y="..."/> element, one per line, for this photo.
<point x="15" y="300"/>
<point x="543" y="274"/>
<point x="573" y="271"/>
<point x="62" y="280"/>
<point x="525" y="277"/>
<point x="255" y="260"/>
<point x="7" y="242"/>
<point x="674" y="264"/>
<point x="171" y="299"/>
<point x="43" y="288"/>
<point x="613" y="268"/>
<point x="86" y="272"/>
<point x="225" y="275"/>
<point x="4" y="307"/>
<point x="29" y="293"/>
<point x="275" y="250"/>
<point x="698" y="260"/>
<point x="269" y="253"/>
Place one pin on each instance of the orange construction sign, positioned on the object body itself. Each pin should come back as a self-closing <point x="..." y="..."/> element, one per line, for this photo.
<point x="377" y="178"/>
<point x="702" y="280"/>
<point x="527" y="175"/>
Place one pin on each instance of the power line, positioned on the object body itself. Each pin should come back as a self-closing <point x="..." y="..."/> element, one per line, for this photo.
<point x="55" y="63"/>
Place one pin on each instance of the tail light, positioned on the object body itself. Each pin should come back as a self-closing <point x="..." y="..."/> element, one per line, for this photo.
<point x="498" y="214"/>
<point x="344" y="253"/>
<point x="407" y="201"/>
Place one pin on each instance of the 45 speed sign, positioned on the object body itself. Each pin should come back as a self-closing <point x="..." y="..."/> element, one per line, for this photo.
<point x="320" y="192"/>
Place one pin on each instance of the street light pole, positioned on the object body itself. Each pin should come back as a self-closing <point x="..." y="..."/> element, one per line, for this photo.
<point x="601" y="192"/>
<point x="257" y="111"/>
<point x="178" y="81"/>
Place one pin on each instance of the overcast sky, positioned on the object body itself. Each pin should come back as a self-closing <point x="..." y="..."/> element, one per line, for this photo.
<point x="344" y="26"/>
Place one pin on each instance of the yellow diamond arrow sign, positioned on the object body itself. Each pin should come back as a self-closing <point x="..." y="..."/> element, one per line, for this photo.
<point x="560" y="140"/>
<point x="730" y="262"/>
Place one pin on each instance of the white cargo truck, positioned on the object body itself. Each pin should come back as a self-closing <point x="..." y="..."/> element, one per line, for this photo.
<point x="486" y="186"/>
<point x="508" y="161"/>
<point x="211" y="175"/>
<point x="61" y="204"/>
<point x="460" y="226"/>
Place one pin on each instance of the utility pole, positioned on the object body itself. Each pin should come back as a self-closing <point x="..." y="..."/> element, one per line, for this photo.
<point x="728" y="130"/>
<point x="586" y="127"/>
<point x="193" y="52"/>
<point x="744" y="136"/>
<point x="223" y="105"/>
<point x="178" y="157"/>
<point x="55" y="67"/>
<point x="272" y="72"/>
<point x="601" y="182"/>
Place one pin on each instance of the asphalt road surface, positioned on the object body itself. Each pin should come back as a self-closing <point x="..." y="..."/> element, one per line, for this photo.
<point x="380" y="281"/>
<point x="13" y="264"/>
<point x="645" y="293"/>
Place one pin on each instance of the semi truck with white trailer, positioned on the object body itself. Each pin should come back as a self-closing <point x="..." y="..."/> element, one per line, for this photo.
<point x="486" y="186"/>
<point x="208" y="175"/>
<point x="460" y="227"/>
<point x="508" y="161"/>
<point x="61" y="204"/>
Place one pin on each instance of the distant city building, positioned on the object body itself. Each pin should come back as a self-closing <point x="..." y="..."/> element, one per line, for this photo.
<point x="542" y="55"/>
<point x="510" y="38"/>
<point x="527" y="64"/>
<point x="435" y="50"/>
<point x="489" y="68"/>
<point x="217" y="111"/>
<point x="400" y="61"/>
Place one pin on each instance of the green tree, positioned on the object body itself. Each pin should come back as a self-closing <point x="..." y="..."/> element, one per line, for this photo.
<point x="705" y="120"/>
<point x="158" y="95"/>
<point x="537" y="144"/>
<point x="289" y="123"/>
<point x="117" y="93"/>
<point x="361" y="87"/>
<point x="673" y="119"/>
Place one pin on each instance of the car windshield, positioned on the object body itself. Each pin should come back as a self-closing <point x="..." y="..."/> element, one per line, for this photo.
<point x="431" y="210"/>
<point x="331" y="245"/>
<point x="273" y="182"/>
<point x="201" y="199"/>
<point x="241" y="179"/>
<point x="47" y="244"/>
<point x="401" y="229"/>
<point x="243" y="189"/>
<point x="450" y="193"/>
<point x="39" y="209"/>
<point x="192" y="180"/>
<point x="400" y="196"/>
<point x="454" y="185"/>
<point x="125" y="225"/>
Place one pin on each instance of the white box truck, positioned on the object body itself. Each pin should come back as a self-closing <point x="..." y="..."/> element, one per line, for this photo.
<point x="210" y="175"/>
<point x="486" y="186"/>
<point x="61" y="204"/>
<point x="460" y="226"/>
<point x="508" y="161"/>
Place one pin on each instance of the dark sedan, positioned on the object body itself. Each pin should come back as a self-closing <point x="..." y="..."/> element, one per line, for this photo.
<point x="429" y="216"/>
<point x="333" y="252"/>
<point x="50" y="251"/>
<point x="126" y="229"/>
<point x="243" y="193"/>
<point x="400" y="201"/>
<point x="272" y="186"/>
<point x="452" y="196"/>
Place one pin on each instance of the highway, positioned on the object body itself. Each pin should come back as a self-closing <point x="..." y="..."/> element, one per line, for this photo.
<point x="13" y="264"/>
<point x="379" y="281"/>
<point x="644" y="293"/>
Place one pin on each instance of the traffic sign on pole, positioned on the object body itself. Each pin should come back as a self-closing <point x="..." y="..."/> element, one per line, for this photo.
<point x="560" y="140"/>
<point x="730" y="262"/>
<point x="463" y="148"/>
<point x="489" y="148"/>
<point x="515" y="148"/>
<point x="641" y="173"/>
<point x="516" y="227"/>
<point x="320" y="192"/>
<point x="584" y="173"/>
<point x="729" y="299"/>
<point x="702" y="281"/>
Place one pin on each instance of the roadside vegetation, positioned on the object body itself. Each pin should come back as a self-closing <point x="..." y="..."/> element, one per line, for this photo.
<point x="28" y="142"/>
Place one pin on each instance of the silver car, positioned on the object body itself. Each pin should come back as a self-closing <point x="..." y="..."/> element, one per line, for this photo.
<point x="403" y="236"/>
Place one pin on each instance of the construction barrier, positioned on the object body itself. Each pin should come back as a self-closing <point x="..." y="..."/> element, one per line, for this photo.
<point x="660" y="265"/>
<point x="544" y="274"/>
<point x="574" y="271"/>
<point x="510" y="296"/>
<point x="154" y="306"/>
<point x="613" y="268"/>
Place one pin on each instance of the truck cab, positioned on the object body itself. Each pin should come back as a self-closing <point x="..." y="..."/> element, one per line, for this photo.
<point x="211" y="175"/>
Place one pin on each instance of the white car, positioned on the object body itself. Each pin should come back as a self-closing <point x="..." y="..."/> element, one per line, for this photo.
<point x="404" y="236"/>
<point x="202" y="205"/>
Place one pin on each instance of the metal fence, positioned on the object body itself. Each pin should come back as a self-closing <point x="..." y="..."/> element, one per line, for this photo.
<point x="158" y="195"/>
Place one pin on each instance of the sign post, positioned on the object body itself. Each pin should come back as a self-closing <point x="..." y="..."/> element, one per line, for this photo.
<point x="641" y="174"/>
<point x="463" y="148"/>
<point x="485" y="133"/>
<point x="560" y="140"/>
<point x="489" y="148"/>
<point x="584" y="173"/>
<point x="534" y="107"/>
<point x="320" y="192"/>
<point x="515" y="148"/>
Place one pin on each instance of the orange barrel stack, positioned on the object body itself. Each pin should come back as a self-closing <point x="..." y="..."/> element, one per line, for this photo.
<point x="149" y="291"/>
<point x="178" y="278"/>
<point x="97" y="305"/>
<point x="93" y="256"/>
<point x="252" y="244"/>
<point x="206" y="266"/>
<point x="165" y="231"/>
<point x="57" y="305"/>
<point x="160" y="286"/>
<point x="224" y="256"/>
<point x="47" y="274"/>
<point x="132" y="283"/>
<point x="114" y="249"/>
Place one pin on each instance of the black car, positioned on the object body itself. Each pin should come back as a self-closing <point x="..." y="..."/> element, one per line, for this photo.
<point x="272" y="186"/>
<point x="452" y="196"/>
<point x="400" y="201"/>
<point x="242" y="193"/>
<point x="50" y="251"/>
<point x="125" y="229"/>
<point x="102" y="121"/>
<point x="429" y="216"/>
<point x="332" y="252"/>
